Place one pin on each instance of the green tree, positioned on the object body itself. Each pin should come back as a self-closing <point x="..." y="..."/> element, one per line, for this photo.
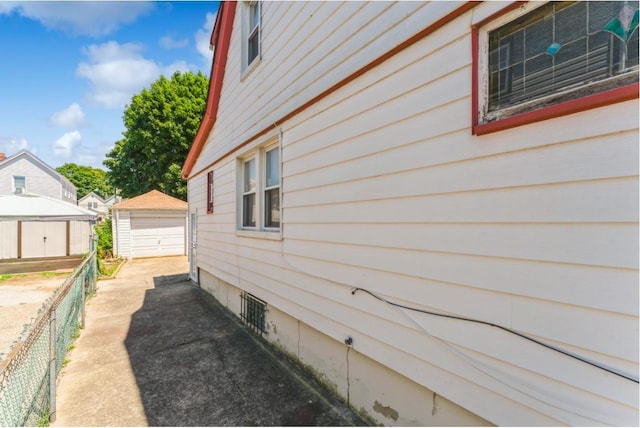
<point x="160" y="125"/>
<point x="87" y="179"/>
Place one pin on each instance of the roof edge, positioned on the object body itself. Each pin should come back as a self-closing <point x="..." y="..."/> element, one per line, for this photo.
<point x="222" y="36"/>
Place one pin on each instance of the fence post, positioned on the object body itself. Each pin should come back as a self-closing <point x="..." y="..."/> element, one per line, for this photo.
<point x="52" y="365"/>
<point x="83" y="275"/>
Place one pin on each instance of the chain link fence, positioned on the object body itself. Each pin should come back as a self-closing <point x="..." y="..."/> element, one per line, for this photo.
<point x="28" y="375"/>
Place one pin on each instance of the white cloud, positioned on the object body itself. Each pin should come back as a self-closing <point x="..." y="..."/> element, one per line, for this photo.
<point x="168" y="42"/>
<point x="203" y="39"/>
<point x="64" y="146"/>
<point x="80" y="17"/>
<point x="117" y="72"/>
<point x="11" y="146"/>
<point x="71" y="117"/>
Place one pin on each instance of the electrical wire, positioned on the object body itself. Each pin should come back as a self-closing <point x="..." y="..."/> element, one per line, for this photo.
<point x="490" y="324"/>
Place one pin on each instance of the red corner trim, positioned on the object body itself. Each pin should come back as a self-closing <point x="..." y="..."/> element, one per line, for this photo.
<point x="221" y="37"/>
<point x="600" y="99"/>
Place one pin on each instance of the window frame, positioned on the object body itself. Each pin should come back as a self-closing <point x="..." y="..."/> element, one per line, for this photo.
<point x="480" y="75"/>
<point x="259" y="155"/>
<point x="210" y="192"/>
<point x="248" y="33"/>
<point x="24" y="181"/>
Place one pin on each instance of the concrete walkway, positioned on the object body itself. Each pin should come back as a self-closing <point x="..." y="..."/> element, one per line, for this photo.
<point x="158" y="351"/>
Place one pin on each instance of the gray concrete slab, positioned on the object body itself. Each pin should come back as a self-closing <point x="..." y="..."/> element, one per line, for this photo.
<point x="158" y="351"/>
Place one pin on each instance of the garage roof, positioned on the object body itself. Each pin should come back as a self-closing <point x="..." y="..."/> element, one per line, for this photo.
<point x="153" y="200"/>
<point x="41" y="208"/>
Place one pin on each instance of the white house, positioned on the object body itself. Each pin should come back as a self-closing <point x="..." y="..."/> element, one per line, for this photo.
<point x="150" y="225"/>
<point x="432" y="205"/>
<point x="25" y="173"/>
<point x="94" y="202"/>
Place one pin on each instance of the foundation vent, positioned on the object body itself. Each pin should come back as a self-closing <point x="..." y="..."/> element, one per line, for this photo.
<point x="253" y="312"/>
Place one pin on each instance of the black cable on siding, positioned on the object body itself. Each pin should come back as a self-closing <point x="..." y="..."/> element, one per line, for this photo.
<point x="490" y="324"/>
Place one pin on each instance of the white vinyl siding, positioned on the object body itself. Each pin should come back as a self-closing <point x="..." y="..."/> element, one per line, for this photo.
<point x="358" y="33"/>
<point x="384" y="187"/>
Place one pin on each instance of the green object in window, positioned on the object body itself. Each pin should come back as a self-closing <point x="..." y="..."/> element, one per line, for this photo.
<point x="625" y="24"/>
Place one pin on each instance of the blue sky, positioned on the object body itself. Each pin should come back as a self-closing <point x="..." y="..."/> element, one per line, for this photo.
<point x="67" y="69"/>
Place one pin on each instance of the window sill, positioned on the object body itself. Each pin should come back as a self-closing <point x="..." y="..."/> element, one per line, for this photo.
<point x="249" y="69"/>
<point x="601" y="99"/>
<point x="275" y="235"/>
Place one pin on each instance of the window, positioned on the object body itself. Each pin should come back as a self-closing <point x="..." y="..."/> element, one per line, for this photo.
<point x="210" y="192"/>
<point x="555" y="53"/>
<point x="19" y="183"/>
<point x="260" y="187"/>
<point x="249" y="195"/>
<point x="251" y="33"/>
<point x="272" y="188"/>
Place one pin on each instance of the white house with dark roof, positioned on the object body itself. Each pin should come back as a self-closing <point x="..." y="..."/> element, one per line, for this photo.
<point x="26" y="173"/>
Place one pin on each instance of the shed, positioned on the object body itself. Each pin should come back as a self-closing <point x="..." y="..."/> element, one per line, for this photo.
<point x="36" y="226"/>
<point x="150" y="225"/>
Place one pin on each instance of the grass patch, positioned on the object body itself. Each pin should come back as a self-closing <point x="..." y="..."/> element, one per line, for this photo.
<point x="43" y="421"/>
<point x="7" y="276"/>
<point x="108" y="267"/>
<point x="54" y="274"/>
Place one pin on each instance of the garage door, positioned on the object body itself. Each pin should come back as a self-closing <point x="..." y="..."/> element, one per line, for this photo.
<point x="157" y="236"/>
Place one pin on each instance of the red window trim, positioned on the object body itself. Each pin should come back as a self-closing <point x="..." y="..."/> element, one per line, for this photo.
<point x="210" y="192"/>
<point x="601" y="99"/>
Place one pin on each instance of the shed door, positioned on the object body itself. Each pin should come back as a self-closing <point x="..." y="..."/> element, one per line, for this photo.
<point x="44" y="239"/>
<point x="157" y="236"/>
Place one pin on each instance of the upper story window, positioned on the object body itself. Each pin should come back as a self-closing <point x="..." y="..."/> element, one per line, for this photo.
<point x="538" y="56"/>
<point x="260" y="189"/>
<point x="251" y="46"/>
<point x="19" y="184"/>
<point x="210" y="192"/>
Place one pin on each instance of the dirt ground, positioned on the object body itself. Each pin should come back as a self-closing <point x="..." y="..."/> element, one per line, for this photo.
<point x="20" y="298"/>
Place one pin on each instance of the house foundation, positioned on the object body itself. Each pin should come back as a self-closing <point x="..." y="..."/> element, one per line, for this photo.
<point x="378" y="393"/>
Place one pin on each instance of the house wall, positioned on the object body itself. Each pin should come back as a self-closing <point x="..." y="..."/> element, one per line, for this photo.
<point x="344" y="36"/>
<point x="101" y="208"/>
<point x="386" y="189"/>
<point x="121" y="231"/>
<point x="38" y="180"/>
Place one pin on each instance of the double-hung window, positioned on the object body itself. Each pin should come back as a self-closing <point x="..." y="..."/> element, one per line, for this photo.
<point x="272" y="188"/>
<point x="555" y="54"/>
<point x="251" y="46"/>
<point x="249" y="199"/>
<point x="260" y="190"/>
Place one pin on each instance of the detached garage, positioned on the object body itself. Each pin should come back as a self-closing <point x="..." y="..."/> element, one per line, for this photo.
<point x="150" y="225"/>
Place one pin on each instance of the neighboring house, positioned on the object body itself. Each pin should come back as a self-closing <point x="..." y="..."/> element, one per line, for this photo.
<point x="25" y="173"/>
<point x="39" y="227"/>
<point x="94" y="202"/>
<point x="432" y="205"/>
<point x="150" y="225"/>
